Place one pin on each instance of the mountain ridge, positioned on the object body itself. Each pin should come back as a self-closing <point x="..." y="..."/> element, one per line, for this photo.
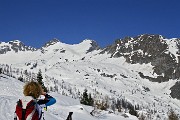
<point x="143" y="69"/>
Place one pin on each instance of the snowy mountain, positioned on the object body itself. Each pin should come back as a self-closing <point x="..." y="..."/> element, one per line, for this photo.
<point x="143" y="71"/>
<point x="11" y="91"/>
<point x="14" y="46"/>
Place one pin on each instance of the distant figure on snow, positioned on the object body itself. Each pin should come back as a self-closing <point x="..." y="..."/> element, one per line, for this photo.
<point x="69" y="116"/>
<point x="31" y="105"/>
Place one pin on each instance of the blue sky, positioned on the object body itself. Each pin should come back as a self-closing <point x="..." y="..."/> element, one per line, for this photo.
<point x="35" y="22"/>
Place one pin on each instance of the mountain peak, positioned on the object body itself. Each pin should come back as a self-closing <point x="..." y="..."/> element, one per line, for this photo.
<point x="14" y="45"/>
<point x="155" y="36"/>
<point x="15" y="41"/>
<point x="51" y="42"/>
<point x="93" y="44"/>
<point x="85" y="41"/>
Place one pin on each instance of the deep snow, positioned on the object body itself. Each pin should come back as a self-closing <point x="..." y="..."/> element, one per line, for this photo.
<point x="11" y="91"/>
<point x="68" y="68"/>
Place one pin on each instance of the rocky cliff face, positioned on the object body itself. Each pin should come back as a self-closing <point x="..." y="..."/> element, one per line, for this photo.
<point x="94" y="46"/>
<point x="153" y="49"/>
<point x="175" y="90"/>
<point x="51" y="42"/>
<point x="15" y="46"/>
<point x="148" y="49"/>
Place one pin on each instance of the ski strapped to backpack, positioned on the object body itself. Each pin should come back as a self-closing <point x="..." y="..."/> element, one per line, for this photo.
<point x="28" y="112"/>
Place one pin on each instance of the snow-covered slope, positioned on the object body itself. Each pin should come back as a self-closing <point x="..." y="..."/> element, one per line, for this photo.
<point x="11" y="91"/>
<point x="69" y="69"/>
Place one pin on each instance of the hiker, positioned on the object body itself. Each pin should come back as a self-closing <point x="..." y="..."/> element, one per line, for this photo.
<point x="34" y="100"/>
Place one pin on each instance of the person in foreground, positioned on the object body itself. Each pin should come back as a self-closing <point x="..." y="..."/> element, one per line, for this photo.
<point x="30" y="107"/>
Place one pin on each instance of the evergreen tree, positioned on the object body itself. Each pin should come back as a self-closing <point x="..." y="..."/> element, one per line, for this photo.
<point x="39" y="79"/>
<point x="86" y="99"/>
<point x="20" y="79"/>
<point x="0" y="70"/>
<point x="132" y="110"/>
<point x="90" y="100"/>
<point x="119" y="105"/>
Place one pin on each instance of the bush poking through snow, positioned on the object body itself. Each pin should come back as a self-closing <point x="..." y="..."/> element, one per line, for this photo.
<point x="172" y="115"/>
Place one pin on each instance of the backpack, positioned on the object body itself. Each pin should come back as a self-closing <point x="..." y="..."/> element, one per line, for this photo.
<point x="29" y="113"/>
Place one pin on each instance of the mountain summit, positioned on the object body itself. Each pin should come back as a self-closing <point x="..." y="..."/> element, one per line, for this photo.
<point x="51" y="42"/>
<point x="15" y="46"/>
<point x="161" y="53"/>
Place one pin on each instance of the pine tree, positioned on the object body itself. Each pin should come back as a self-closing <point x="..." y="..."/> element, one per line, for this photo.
<point x="90" y="100"/>
<point x="119" y="105"/>
<point x="20" y="79"/>
<point x="132" y="110"/>
<point x="39" y="79"/>
<point x="86" y="99"/>
<point x="0" y="70"/>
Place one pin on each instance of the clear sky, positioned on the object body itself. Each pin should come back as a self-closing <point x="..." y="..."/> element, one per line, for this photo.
<point x="35" y="22"/>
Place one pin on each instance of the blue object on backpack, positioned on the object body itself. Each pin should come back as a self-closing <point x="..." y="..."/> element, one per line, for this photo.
<point x="51" y="101"/>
